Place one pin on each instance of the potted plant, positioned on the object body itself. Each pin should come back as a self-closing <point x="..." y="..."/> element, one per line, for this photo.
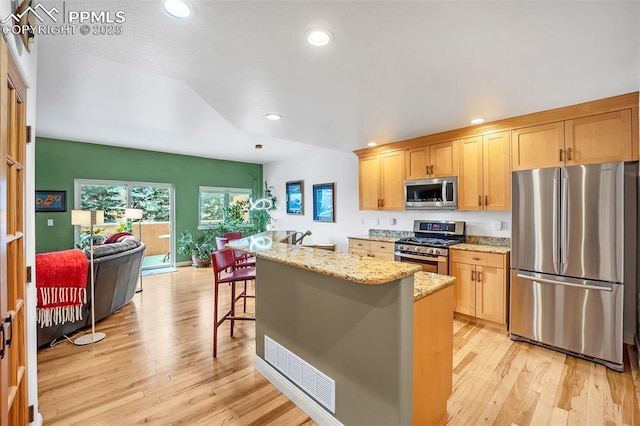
<point x="199" y="249"/>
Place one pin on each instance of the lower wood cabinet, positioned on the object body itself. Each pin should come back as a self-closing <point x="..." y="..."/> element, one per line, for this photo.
<point x="379" y="249"/>
<point x="481" y="284"/>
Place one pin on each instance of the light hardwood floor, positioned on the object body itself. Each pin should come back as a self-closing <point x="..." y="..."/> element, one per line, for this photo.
<point x="155" y="366"/>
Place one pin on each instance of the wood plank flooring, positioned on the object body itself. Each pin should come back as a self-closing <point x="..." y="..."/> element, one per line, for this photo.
<point x="155" y="367"/>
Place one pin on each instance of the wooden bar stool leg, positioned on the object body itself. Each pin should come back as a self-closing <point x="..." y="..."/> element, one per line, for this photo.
<point x="245" y="296"/>
<point x="215" y="320"/>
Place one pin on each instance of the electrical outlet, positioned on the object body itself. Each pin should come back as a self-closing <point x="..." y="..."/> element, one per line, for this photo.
<point x="49" y="222"/>
<point x="392" y="221"/>
<point x="377" y="221"/>
<point x="362" y="221"/>
<point x="497" y="225"/>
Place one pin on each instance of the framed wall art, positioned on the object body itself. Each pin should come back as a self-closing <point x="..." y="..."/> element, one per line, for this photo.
<point x="324" y="196"/>
<point x="51" y="201"/>
<point x="295" y="197"/>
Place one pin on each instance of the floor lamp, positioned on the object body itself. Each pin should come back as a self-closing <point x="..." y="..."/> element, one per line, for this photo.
<point x="89" y="218"/>
<point x="136" y="214"/>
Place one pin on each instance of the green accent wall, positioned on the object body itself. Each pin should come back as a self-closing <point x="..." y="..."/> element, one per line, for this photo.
<point x="59" y="162"/>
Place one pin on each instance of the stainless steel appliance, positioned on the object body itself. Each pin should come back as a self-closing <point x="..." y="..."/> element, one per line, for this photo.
<point x="428" y="246"/>
<point x="573" y="259"/>
<point x="430" y="194"/>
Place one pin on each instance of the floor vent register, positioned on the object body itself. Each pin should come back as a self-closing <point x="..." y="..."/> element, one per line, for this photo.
<point x="318" y="385"/>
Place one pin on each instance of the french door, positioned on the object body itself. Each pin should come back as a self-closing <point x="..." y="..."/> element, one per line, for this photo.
<point x="154" y="199"/>
<point x="13" y="277"/>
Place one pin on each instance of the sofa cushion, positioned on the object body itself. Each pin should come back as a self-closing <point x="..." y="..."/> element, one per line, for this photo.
<point x="114" y="248"/>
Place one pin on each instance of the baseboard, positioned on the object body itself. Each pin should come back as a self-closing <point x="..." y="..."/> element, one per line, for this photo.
<point x="184" y="263"/>
<point x="295" y="394"/>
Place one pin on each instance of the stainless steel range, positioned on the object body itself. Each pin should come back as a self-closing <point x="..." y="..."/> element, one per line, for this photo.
<point x="429" y="245"/>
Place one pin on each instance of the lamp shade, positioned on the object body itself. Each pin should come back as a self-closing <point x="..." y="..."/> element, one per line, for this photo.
<point x="133" y="213"/>
<point x="87" y="217"/>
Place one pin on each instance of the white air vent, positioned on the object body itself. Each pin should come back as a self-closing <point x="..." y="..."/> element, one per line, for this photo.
<point x="318" y="385"/>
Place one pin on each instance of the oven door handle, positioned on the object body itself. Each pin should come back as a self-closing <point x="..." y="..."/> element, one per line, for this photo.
<point x="417" y="257"/>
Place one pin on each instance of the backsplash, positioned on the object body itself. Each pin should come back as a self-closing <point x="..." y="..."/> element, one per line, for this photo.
<point x="390" y="233"/>
<point x="469" y="239"/>
<point x="489" y="241"/>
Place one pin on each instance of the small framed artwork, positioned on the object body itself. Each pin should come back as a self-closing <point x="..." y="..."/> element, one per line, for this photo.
<point x="51" y="201"/>
<point x="295" y="197"/>
<point x="324" y="196"/>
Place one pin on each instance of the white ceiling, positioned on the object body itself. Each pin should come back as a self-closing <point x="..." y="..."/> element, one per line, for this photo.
<point x="395" y="70"/>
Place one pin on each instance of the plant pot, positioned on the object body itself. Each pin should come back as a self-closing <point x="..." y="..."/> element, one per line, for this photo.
<point x="200" y="263"/>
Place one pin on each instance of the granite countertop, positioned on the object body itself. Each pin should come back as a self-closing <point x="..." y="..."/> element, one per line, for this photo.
<point x="481" y="248"/>
<point x="358" y="269"/>
<point x="380" y="238"/>
<point x="426" y="283"/>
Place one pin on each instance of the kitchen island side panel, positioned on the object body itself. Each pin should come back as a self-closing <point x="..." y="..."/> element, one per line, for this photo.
<point x="359" y="335"/>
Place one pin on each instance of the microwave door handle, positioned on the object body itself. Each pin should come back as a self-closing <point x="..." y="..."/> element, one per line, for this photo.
<point x="444" y="190"/>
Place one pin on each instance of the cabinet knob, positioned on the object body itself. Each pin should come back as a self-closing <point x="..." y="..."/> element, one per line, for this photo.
<point x="475" y="258"/>
<point x="479" y="200"/>
<point x="568" y="153"/>
<point x="473" y="275"/>
<point x="479" y="276"/>
<point x="561" y="152"/>
<point x="486" y="200"/>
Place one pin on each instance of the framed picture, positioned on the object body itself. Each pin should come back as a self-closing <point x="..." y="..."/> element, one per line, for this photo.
<point x="295" y="197"/>
<point x="51" y="201"/>
<point x="324" y="196"/>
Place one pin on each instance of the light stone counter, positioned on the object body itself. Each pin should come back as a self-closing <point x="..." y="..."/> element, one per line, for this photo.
<point x="481" y="248"/>
<point x="358" y="269"/>
<point x="380" y="238"/>
<point x="426" y="283"/>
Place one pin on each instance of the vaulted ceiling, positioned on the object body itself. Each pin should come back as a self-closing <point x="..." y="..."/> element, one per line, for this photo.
<point x="395" y="70"/>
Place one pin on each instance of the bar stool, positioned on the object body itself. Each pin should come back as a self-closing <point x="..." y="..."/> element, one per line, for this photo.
<point x="224" y="263"/>
<point x="243" y="260"/>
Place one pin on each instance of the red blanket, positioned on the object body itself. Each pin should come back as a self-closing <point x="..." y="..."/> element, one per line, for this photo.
<point x="61" y="282"/>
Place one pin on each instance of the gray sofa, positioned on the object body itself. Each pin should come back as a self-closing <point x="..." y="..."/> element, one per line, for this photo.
<point x="116" y="271"/>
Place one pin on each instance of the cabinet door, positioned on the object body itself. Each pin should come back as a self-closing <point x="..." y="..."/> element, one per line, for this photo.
<point x="470" y="178"/>
<point x="369" y="182"/>
<point x="496" y="173"/>
<point x="392" y="180"/>
<point x="537" y="146"/>
<point x="417" y="163"/>
<point x="465" y="287"/>
<point x="444" y="159"/>
<point x="601" y="138"/>
<point x="491" y="294"/>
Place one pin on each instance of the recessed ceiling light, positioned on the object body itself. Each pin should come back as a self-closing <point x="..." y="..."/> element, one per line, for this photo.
<point x="176" y="8"/>
<point x="372" y="143"/>
<point x="477" y="121"/>
<point x="319" y="37"/>
<point x="272" y="116"/>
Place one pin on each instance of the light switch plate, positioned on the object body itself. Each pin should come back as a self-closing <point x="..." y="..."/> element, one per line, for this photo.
<point x="49" y="222"/>
<point x="497" y="225"/>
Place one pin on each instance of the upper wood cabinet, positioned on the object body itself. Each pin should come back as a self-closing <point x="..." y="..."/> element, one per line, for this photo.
<point x="601" y="138"/>
<point x="381" y="181"/>
<point x="598" y="138"/>
<point x="437" y="160"/>
<point x="483" y="182"/>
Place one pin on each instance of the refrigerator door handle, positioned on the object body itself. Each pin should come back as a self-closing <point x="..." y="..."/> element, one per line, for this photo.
<point x="555" y="247"/>
<point x="564" y="221"/>
<point x="548" y="281"/>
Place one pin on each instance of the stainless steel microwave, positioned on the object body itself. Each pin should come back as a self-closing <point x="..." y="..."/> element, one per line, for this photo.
<point x="431" y="194"/>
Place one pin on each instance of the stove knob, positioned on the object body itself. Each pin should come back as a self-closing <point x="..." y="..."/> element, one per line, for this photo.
<point x="431" y="251"/>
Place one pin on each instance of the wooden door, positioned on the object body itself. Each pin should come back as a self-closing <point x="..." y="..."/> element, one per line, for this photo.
<point x="417" y="163"/>
<point x="470" y="177"/>
<point x="392" y="180"/>
<point x="13" y="365"/>
<point x="369" y="182"/>
<point x="444" y="159"/>
<point x="537" y="146"/>
<point x="601" y="138"/>
<point x="490" y="294"/>
<point x="465" y="287"/>
<point x="496" y="180"/>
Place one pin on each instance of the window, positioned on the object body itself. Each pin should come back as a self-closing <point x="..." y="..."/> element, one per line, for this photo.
<point x="213" y="202"/>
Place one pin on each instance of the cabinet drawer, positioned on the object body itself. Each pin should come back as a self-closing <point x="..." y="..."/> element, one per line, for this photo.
<point x="382" y="255"/>
<point x="477" y="258"/>
<point x="359" y="244"/>
<point x="358" y="252"/>
<point x="381" y="247"/>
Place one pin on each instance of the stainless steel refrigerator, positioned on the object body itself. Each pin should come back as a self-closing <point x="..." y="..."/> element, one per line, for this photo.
<point x="573" y="260"/>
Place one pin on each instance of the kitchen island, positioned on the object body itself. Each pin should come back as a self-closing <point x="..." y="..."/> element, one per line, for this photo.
<point x="382" y="346"/>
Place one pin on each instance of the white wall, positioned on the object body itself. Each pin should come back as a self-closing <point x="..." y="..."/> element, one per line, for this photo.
<point x="322" y="165"/>
<point x="27" y="65"/>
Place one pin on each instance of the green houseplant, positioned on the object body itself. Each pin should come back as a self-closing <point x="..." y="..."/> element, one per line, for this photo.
<point x="199" y="249"/>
